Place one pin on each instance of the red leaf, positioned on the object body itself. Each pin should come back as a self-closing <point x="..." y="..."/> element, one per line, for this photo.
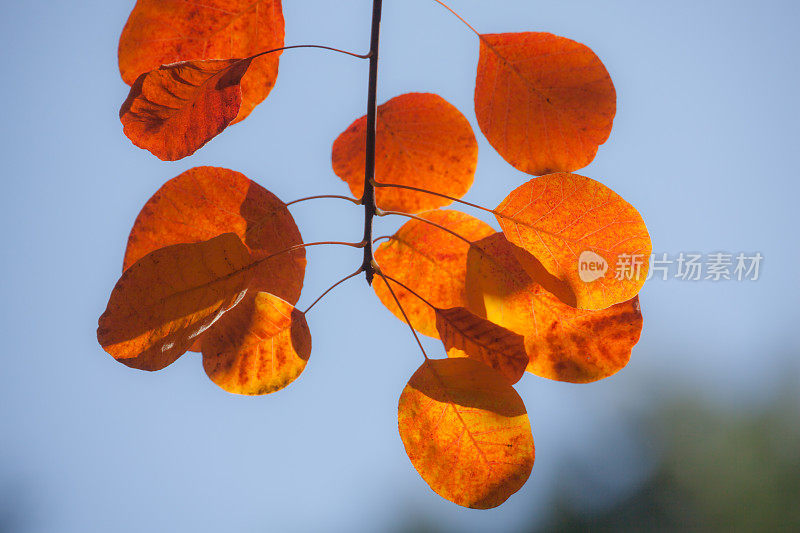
<point x="159" y="32"/>
<point x="422" y="141"/>
<point x="204" y="202"/>
<point x="164" y="301"/>
<point x="176" y="109"/>
<point x="467" y="335"/>
<point x="544" y="102"/>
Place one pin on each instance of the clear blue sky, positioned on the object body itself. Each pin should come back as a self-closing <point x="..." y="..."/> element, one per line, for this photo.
<point x="703" y="145"/>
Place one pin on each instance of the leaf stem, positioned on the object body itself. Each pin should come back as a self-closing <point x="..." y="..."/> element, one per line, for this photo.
<point x="321" y="196"/>
<point x="324" y="294"/>
<point x="440" y="195"/>
<point x="495" y="212"/>
<point x="412" y="291"/>
<point x="459" y="17"/>
<point x="434" y="224"/>
<point x="405" y="316"/>
<point x="368" y="199"/>
<point x="319" y="46"/>
<point x="301" y="246"/>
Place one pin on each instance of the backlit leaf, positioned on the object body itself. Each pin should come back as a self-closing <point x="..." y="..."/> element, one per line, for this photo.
<point x="169" y="297"/>
<point x="563" y="343"/>
<point x="160" y="32"/>
<point x="262" y="346"/>
<point x="466" y="432"/>
<point x="430" y="262"/>
<point x="422" y="141"/>
<point x="467" y="335"/>
<point x="176" y="109"/>
<point x="204" y="202"/>
<point x="583" y="233"/>
<point x="544" y="102"/>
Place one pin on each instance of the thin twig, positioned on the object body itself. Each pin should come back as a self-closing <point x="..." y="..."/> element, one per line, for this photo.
<point x="322" y="196"/>
<point x="457" y="16"/>
<point x="434" y="224"/>
<point x="300" y="247"/>
<point x="324" y="294"/>
<point x="412" y="291"/>
<point x="360" y="56"/>
<point x="397" y="301"/>
<point x="495" y="212"/>
<point x="440" y="195"/>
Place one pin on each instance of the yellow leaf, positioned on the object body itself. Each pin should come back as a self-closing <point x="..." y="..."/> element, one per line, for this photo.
<point x="583" y="233"/>
<point x="466" y="432"/>
<point x="562" y="342"/>
<point x="261" y="347"/>
<point x="431" y="262"/>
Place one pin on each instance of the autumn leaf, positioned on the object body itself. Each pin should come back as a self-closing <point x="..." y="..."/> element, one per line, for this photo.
<point x="583" y="233"/>
<point x="169" y="297"/>
<point x="466" y="432"/>
<point x="467" y="335"/>
<point x="544" y="102"/>
<point x="563" y="343"/>
<point x="422" y="141"/>
<point x="160" y="32"/>
<point x="430" y="262"/>
<point x="485" y="277"/>
<point x="261" y="347"/>
<point x="204" y="202"/>
<point x="175" y="110"/>
<point x="215" y="263"/>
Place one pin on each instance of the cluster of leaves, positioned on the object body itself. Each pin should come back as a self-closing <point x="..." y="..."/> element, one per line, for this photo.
<point x="215" y="263"/>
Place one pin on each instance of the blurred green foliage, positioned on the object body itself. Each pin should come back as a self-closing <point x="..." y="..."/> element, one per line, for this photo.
<point x="718" y="471"/>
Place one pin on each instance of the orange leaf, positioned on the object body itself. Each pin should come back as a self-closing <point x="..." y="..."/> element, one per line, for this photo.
<point x="466" y="432"/>
<point x="422" y="141"/>
<point x="159" y="32"/>
<point x="204" y="202"/>
<point x="261" y="347"/>
<point x="176" y="109"/>
<point x="169" y="297"/>
<point x="544" y="102"/>
<point x="430" y="262"/>
<point x="583" y="233"/>
<point x="563" y="343"/>
<point x="467" y="335"/>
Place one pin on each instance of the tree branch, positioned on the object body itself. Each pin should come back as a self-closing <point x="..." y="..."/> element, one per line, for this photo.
<point x="368" y="199"/>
